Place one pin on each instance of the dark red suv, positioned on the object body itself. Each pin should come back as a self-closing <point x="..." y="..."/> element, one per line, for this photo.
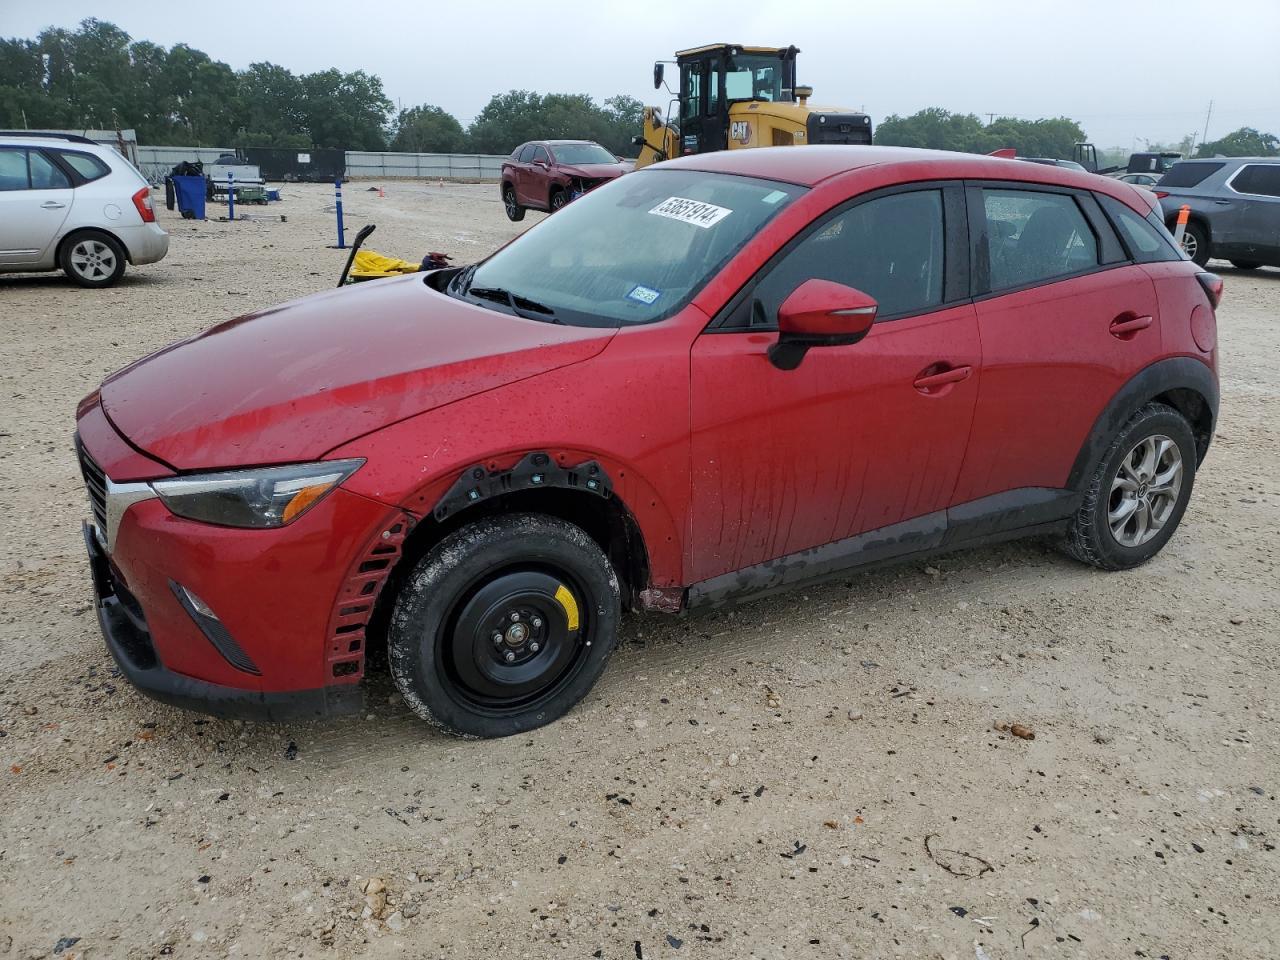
<point x="713" y="378"/>
<point x="547" y="174"/>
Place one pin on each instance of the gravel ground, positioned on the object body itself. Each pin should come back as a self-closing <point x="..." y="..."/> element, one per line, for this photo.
<point x="815" y="775"/>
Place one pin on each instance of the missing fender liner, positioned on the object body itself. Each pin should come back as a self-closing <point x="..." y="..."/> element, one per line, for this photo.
<point x="534" y="470"/>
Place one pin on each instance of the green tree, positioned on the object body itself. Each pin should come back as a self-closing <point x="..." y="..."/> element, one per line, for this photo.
<point x="428" y="129"/>
<point x="347" y="110"/>
<point x="1245" y="142"/>
<point x="509" y="119"/>
<point x="940" y="129"/>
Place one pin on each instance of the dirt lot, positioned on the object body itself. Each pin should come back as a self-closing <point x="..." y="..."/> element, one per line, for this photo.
<point x="810" y="776"/>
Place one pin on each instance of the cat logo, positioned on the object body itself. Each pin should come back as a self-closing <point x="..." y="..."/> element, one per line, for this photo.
<point x="740" y="130"/>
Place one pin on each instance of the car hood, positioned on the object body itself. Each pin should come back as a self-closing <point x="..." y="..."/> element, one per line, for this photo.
<point x="292" y="382"/>
<point x="592" y="170"/>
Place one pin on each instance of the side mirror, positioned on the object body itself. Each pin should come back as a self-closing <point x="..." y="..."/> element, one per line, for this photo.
<point x="820" y="313"/>
<point x="658" y="71"/>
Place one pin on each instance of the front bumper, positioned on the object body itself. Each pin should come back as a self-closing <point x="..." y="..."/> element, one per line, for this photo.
<point x="128" y="638"/>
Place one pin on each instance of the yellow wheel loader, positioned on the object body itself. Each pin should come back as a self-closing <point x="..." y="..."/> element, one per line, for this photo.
<point x="732" y="97"/>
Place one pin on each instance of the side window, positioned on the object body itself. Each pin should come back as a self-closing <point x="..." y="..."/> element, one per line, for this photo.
<point x="890" y="248"/>
<point x="1035" y="236"/>
<point x="44" y="175"/>
<point x="1147" y="242"/>
<point x="526" y="153"/>
<point x="13" y="170"/>
<point x="540" y="155"/>
<point x="85" y="164"/>
<point x="1260" y="179"/>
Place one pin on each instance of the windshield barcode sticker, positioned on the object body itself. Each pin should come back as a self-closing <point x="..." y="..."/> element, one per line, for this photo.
<point x="691" y="211"/>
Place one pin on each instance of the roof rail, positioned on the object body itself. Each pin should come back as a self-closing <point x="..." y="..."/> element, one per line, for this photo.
<point x="47" y="135"/>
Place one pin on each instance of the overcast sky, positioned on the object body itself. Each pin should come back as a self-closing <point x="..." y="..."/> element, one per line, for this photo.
<point x="1125" y="70"/>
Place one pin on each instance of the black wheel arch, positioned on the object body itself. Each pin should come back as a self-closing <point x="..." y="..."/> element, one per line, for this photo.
<point x="81" y="231"/>
<point x="1184" y="383"/>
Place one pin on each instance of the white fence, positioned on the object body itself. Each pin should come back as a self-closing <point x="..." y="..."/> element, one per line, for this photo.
<point x="458" y="166"/>
<point x="155" y="162"/>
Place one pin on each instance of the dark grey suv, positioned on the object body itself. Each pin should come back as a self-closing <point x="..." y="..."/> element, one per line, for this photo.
<point x="1235" y="208"/>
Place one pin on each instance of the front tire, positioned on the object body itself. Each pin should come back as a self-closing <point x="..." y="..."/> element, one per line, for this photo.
<point x="559" y="199"/>
<point x="92" y="259"/>
<point x="504" y="625"/>
<point x="1138" y="493"/>
<point x="1195" y="243"/>
<point x="515" y="212"/>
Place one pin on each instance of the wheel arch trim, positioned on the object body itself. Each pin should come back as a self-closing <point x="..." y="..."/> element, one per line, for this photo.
<point x="1182" y="382"/>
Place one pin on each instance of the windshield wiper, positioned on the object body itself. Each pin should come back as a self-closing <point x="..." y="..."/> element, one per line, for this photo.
<point x="518" y="304"/>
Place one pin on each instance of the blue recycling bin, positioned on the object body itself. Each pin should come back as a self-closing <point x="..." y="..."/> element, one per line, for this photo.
<point x="190" y="196"/>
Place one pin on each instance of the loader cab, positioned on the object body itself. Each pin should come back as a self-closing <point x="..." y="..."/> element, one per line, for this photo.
<point x="714" y="77"/>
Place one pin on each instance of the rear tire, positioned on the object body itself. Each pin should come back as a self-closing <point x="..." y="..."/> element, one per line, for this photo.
<point x="1136" y="497"/>
<point x="504" y="625"/>
<point x="1195" y="243"/>
<point x="515" y="212"/>
<point x="1245" y="264"/>
<point x="92" y="259"/>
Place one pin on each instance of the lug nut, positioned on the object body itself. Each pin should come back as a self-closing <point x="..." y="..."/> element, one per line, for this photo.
<point x="537" y="623"/>
<point x="534" y="646"/>
<point x="511" y="656"/>
<point x="515" y="617"/>
<point x="497" y="639"/>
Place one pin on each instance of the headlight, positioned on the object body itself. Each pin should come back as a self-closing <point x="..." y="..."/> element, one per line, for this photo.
<point x="269" y="497"/>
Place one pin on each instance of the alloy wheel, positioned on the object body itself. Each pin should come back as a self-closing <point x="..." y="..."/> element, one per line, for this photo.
<point x="1190" y="245"/>
<point x="93" y="260"/>
<point x="1144" y="490"/>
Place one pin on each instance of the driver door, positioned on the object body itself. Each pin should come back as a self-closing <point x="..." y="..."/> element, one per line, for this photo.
<point x="854" y="454"/>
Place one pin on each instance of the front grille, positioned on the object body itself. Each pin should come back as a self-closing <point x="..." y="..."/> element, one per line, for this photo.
<point x="95" y="482"/>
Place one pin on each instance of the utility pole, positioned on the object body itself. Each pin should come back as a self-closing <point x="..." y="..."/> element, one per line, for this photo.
<point x="991" y="118"/>
<point x="1204" y="138"/>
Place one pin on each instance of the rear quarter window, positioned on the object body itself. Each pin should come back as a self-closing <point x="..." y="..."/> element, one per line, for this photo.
<point x="1189" y="173"/>
<point x="1145" y="241"/>
<point x="86" y="165"/>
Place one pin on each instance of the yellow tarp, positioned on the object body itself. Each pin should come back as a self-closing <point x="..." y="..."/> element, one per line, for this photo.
<point x="369" y="265"/>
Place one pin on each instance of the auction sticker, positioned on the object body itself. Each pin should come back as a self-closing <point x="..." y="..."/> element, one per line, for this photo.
<point x="691" y="211"/>
<point x="642" y="294"/>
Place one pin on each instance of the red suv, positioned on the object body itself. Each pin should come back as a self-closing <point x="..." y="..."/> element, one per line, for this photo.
<point x="713" y="378"/>
<point x="547" y="174"/>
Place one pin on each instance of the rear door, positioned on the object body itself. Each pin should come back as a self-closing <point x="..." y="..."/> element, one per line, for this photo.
<point x="1257" y="185"/>
<point x="1066" y="318"/>
<point x="35" y="198"/>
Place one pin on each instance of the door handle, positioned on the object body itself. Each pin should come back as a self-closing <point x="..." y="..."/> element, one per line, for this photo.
<point x="1127" y="324"/>
<point x="52" y="205"/>
<point x="1223" y="203"/>
<point x="928" y="382"/>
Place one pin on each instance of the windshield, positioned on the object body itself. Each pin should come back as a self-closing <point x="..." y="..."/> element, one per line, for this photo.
<point x="582" y="153"/>
<point x="632" y="251"/>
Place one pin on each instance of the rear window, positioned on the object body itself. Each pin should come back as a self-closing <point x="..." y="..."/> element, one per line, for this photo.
<point x="1147" y="242"/>
<point x="1189" y="173"/>
<point x="1262" y="179"/>
<point x="86" y="164"/>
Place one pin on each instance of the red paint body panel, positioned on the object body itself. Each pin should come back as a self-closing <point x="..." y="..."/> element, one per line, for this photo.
<point x="841" y="445"/>
<point x="272" y="589"/>
<point x="533" y="182"/>
<point x="1049" y="366"/>
<point x="292" y="382"/>
<point x="121" y="462"/>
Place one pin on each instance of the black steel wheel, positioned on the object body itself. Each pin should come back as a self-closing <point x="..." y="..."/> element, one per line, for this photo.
<point x="504" y="625"/>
